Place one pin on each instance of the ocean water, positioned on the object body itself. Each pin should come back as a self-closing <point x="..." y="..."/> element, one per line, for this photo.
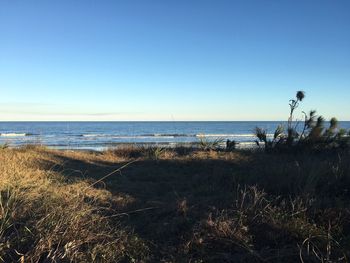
<point x="103" y="135"/>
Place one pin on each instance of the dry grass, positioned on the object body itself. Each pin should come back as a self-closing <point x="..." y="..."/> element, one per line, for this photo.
<point x="46" y="218"/>
<point x="173" y="205"/>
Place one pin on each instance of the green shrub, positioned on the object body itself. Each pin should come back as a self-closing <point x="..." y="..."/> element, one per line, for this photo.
<point x="207" y="145"/>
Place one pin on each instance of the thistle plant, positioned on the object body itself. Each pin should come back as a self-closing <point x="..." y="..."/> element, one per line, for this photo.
<point x="313" y="134"/>
<point x="294" y="104"/>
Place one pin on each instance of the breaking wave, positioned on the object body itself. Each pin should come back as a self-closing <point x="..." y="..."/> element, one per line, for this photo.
<point x="17" y="134"/>
<point x="170" y="135"/>
<point x="13" y="134"/>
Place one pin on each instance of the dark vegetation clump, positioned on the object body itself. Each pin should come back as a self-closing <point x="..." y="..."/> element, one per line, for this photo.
<point x="210" y="145"/>
<point x="230" y="145"/>
<point x="310" y="135"/>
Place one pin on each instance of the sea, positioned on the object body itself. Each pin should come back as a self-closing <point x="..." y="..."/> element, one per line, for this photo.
<point x="104" y="135"/>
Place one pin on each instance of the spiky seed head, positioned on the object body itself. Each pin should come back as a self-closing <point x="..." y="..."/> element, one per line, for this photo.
<point x="300" y="95"/>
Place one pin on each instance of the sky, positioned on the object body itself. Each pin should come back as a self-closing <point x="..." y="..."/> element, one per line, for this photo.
<point x="172" y="60"/>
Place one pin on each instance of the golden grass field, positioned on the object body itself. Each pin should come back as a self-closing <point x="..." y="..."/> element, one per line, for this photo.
<point x="173" y="205"/>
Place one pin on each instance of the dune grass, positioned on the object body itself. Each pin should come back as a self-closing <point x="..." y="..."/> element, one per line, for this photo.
<point x="173" y="205"/>
<point x="46" y="217"/>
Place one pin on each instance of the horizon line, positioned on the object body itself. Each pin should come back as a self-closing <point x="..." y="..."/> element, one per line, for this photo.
<point x="3" y="121"/>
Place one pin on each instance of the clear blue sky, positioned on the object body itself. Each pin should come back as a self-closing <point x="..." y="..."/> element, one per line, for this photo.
<point x="172" y="60"/>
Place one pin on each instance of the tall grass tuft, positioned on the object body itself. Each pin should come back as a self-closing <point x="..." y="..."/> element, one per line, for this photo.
<point x="207" y="145"/>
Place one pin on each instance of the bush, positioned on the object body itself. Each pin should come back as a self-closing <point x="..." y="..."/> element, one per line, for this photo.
<point x="313" y="135"/>
<point x="207" y="145"/>
<point x="230" y="145"/>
